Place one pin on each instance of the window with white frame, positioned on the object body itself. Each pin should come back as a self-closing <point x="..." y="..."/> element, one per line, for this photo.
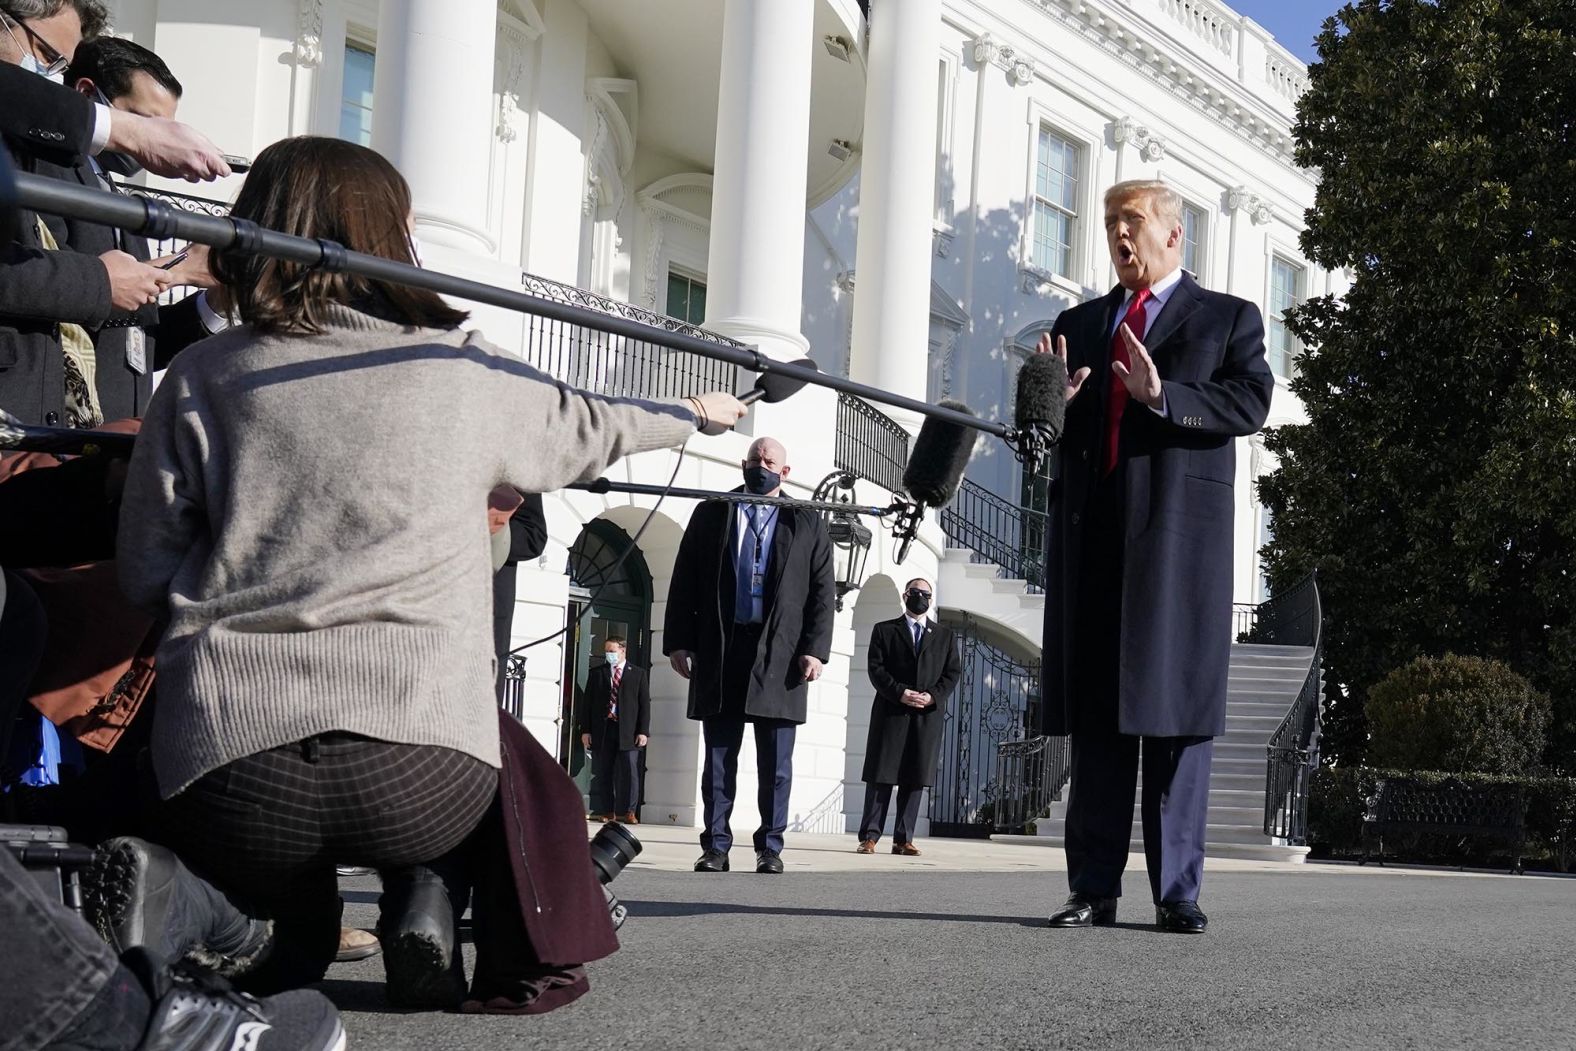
<point x="1193" y="221"/>
<point x="1287" y="290"/>
<point x="355" y="103"/>
<point x="686" y="297"/>
<point x="1056" y="174"/>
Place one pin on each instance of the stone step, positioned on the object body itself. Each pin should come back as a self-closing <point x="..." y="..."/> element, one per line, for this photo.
<point x="1268" y="709"/>
<point x="1220" y="816"/>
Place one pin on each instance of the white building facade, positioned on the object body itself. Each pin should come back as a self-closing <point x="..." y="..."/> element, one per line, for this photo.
<point x="909" y="194"/>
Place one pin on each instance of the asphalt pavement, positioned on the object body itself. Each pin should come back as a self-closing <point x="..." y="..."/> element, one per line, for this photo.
<point x="880" y="953"/>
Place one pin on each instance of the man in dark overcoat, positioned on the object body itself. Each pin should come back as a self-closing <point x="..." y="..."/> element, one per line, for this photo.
<point x="914" y="666"/>
<point x="749" y="624"/>
<point x="1164" y="376"/>
<point x="615" y="724"/>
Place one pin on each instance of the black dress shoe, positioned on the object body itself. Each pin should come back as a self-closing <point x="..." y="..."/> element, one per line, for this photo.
<point x="1181" y="917"/>
<point x="1082" y="911"/>
<point x="768" y="862"/>
<point x="712" y="861"/>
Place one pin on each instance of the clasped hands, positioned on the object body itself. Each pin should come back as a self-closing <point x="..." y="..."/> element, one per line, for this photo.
<point x="1142" y="379"/>
<point x="916" y="699"/>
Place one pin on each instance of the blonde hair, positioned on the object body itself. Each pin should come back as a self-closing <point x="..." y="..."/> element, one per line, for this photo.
<point x="1167" y="202"/>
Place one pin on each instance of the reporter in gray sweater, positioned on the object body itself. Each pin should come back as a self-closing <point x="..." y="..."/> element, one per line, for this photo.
<point x="306" y="506"/>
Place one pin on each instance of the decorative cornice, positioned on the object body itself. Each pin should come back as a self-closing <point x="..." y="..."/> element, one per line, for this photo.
<point x="1149" y="145"/>
<point x="1124" y="43"/>
<point x="309" y="34"/>
<point x="1240" y="198"/>
<point x="987" y="52"/>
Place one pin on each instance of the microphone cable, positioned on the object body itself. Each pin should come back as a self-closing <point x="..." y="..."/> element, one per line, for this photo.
<point x="634" y="542"/>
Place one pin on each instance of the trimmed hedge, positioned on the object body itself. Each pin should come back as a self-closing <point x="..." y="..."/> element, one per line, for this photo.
<point x="1458" y="715"/>
<point x="1337" y="800"/>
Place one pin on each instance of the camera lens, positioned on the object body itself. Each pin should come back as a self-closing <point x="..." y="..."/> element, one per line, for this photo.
<point x="612" y="849"/>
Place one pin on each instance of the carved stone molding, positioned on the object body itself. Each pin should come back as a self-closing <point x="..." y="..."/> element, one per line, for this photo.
<point x="513" y="48"/>
<point x="661" y="206"/>
<point x="1151" y="147"/>
<point x="309" y="34"/>
<point x="1204" y="88"/>
<point x="987" y="52"/>
<point x="1240" y="198"/>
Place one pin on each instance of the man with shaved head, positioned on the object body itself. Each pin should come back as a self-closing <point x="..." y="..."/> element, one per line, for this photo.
<point x="749" y="624"/>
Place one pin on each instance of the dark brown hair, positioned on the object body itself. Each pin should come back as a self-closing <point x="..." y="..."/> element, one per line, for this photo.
<point x="317" y="187"/>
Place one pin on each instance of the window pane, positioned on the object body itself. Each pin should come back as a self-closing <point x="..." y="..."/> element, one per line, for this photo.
<point x="1192" y="230"/>
<point x="678" y="296"/>
<point x="1056" y="170"/>
<point x="355" y="107"/>
<point x="697" y="303"/>
<point x="1052" y="239"/>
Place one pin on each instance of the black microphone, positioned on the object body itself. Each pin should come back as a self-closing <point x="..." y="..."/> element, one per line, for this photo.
<point x="1040" y="415"/>
<point x="772" y="387"/>
<point x="935" y="469"/>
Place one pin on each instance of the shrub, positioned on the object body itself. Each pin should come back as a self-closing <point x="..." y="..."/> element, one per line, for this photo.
<point x="1338" y="797"/>
<point x="1457" y="715"/>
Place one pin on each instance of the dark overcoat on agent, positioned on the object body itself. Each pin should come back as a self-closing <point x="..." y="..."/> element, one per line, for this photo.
<point x="1180" y="477"/>
<point x="634" y="705"/>
<point x="800" y="604"/>
<point x="904" y="745"/>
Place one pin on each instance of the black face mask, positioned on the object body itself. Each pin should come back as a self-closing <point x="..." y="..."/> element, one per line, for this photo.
<point x="759" y="481"/>
<point x="118" y="163"/>
<point x="916" y="602"/>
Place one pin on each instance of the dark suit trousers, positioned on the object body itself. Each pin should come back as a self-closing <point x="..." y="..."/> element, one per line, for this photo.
<point x="1175" y="804"/>
<point x="724" y="735"/>
<point x="616" y="771"/>
<point x="877" y="799"/>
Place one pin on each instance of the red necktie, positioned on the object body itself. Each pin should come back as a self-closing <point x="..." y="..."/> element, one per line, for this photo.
<point x="1116" y="402"/>
<point x="612" y="695"/>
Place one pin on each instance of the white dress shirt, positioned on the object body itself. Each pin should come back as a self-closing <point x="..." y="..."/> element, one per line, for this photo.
<point x="1159" y="295"/>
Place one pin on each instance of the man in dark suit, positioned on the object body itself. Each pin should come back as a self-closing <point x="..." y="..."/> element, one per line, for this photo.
<point x="131" y="345"/>
<point x="527" y="539"/>
<point x="914" y="665"/>
<point x="1139" y="566"/>
<point x="615" y="724"/>
<point x="749" y="623"/>
<point x="43" y="289"/>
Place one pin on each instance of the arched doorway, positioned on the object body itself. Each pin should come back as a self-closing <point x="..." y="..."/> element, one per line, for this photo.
<point x="997" y="699"/>
<point x="609" y="597"/>
<point x="878" y="600"/>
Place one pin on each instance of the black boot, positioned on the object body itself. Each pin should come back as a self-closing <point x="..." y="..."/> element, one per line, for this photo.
<point x="139" y="894"/>
<point x="418" y="926"/>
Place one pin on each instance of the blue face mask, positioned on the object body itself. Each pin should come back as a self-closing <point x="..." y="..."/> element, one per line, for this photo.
<point x="30" y="61"/>
<point x="612" y="659"/>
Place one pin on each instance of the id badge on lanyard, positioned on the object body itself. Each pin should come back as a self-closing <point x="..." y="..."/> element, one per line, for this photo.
<point x="137" y="350"/>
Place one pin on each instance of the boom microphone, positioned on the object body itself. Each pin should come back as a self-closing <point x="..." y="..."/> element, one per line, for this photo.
<point x="773" y="387"/>
<point x="1042" y="397"/>
<point x="935" y="469"/>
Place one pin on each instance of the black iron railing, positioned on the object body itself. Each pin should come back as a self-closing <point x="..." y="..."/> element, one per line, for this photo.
<point x="998" y="531"/>
<point x="588" y="358"/>
<point x="870" y="444"/>
<point x="1030" y="776"/>
<point x="604" y="363"/>
<point x="1293" y="618"/>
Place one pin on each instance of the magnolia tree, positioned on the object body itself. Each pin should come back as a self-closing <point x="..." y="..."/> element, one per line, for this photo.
<point x="1434" y="485"/>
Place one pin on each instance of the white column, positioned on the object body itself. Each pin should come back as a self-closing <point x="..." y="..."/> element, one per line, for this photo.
<point x="432" y="111"/>
<point x="755" y="266"/>
<point x="891" y="343"/>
